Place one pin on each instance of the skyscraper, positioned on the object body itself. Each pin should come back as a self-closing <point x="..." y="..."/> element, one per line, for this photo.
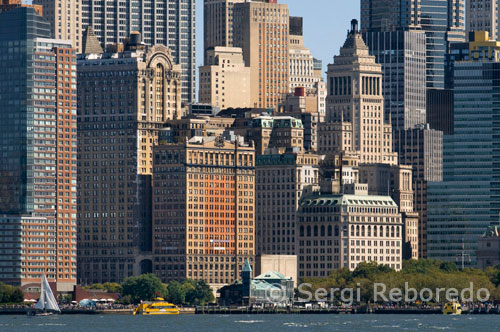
<point x="65" y="18"/>
<point x="170" y="23"/>
<point x="260" y="28"/>
<point x="443" y="21"/>
<point x="302" y="73"/>
<point x="218" y="23"/>
<point x="482" y="15"/>
<point x="465" y="204"/>
<point x="402" y="56"/>
<point x="281" y="182"/>
<point x="204" y="209"/>
<point x="37" y="152"/>
<point x="355" y="121"/>
<point x="124" y="100"/>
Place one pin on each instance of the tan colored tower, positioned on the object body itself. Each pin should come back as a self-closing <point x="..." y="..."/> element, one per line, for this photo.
<point x="66" y="20"/>
<point x="482" y="15"/>
<point x="218" y="23"/>
<point x="124" y="100"/>
<point x="203" y="206"/>
<point x="355" y="106"/>
<point x="261" y="30"/>
<point x="225" y="80"/>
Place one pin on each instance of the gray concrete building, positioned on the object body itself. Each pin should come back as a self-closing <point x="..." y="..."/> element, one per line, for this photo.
<point x="402" y="55"/>
<point x="422" y="148"/>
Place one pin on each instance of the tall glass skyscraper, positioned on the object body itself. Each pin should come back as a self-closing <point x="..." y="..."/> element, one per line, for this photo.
<point x="169" y="22"/>
<point x="461" y="208"/>
<point x="37" y="152"/>
<point x="442" y="20"/>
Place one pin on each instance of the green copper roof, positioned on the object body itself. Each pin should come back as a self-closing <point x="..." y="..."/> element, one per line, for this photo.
<point x="273" y="275"/>
<point x="349" y="200"/>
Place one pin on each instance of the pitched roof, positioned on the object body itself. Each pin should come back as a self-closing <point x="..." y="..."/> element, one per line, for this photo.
<point x="91" y="44"/>
<point x="247" y="267"/>
<point x="273" y="275"/>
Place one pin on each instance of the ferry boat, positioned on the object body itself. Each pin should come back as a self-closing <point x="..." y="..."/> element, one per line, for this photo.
<point x="158" y="307"/>
<point x="452" y="308"/>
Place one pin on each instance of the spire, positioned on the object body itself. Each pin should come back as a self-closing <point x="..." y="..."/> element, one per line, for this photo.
<point x="90" y="42"/>
<point x="247" y="267"/>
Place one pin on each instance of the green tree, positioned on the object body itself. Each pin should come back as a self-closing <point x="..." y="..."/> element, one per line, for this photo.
<point x="113" y="287"/>
<point x="176" y="293"/>
<point x="145" y="287"/>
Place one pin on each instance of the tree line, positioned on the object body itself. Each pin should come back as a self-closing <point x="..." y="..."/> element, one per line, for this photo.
<point x="418" y="275"/>
<point x="148" y="287"/>
<point x="10" y="294"/>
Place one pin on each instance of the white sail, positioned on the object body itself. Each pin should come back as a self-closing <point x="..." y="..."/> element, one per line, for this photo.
<point x="41" y="301"/>
<point x="47" y="300"/>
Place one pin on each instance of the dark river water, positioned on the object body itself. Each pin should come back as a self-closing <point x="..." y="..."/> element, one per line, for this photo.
<point x="254" y="323"/>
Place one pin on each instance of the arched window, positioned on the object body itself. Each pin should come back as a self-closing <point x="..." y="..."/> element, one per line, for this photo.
<point x="315" y="230"/>
<point x="329" y="230"/>
<point x="323" y="230"/>
<point x="308" y="230"/>
<point x="337" y="231"/>
<point x="362" y="230"/>
<point x="301" y="230"/>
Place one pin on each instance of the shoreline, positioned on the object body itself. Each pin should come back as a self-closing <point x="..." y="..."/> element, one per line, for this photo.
<point x="270" y="311"/>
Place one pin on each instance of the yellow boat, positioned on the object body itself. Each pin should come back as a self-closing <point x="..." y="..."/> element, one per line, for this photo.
<point x="158" y="307"/>
<point x="452" y="308"/>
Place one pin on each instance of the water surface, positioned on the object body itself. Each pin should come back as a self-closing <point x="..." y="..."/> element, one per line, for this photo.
<point x="250" y="323"/>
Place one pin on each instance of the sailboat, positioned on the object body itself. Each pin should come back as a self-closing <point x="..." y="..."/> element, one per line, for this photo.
<point x="47" y="304"/>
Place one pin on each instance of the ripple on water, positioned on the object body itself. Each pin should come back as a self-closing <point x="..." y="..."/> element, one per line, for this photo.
<point x="249" y="321"/>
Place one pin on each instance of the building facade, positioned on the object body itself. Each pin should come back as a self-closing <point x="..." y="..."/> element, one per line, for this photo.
<point x="355" y="119"/>
<point x="443" y="22"/>
<point x="302" y="73"/>
<point x="124" y="100"/>
<point x="170" y="23"/>
<point x="203" y="210"/>
<point x="260" y="28"/>
<point x="488" y="248"/>
<point x="402" y="55"/>
<point x="336" y="231"/>
<point x="218" y="23"/>
<point x="482" y="15"/>
<point x="465" y="204"/>
<point x="281" y="182"/>
<point x="422" y="148"/>
<point x="38" y="151"/>
<point x="225" y="79"/>
<point x="65" y="18"/>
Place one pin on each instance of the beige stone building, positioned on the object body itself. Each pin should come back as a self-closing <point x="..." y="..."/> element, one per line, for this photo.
<point x="279" y="133"/>
<point x="191" y="126"/>
<point x="203" y="210"/>
<point x="302" y="73"/>
<point x="336" y="231"/>
<point x="260" y="28"/>
<point x="355" y="106"/>
<point x="225" y="80"/>
<point x="397" y="182"/>
<point x="124" y="99"/>
<point x="281" y="182"/>
<point x="65" y="18"/>
<point x="482" y="15"/>
<point x="284" y="264"/>
<point x="308" y="106"/>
